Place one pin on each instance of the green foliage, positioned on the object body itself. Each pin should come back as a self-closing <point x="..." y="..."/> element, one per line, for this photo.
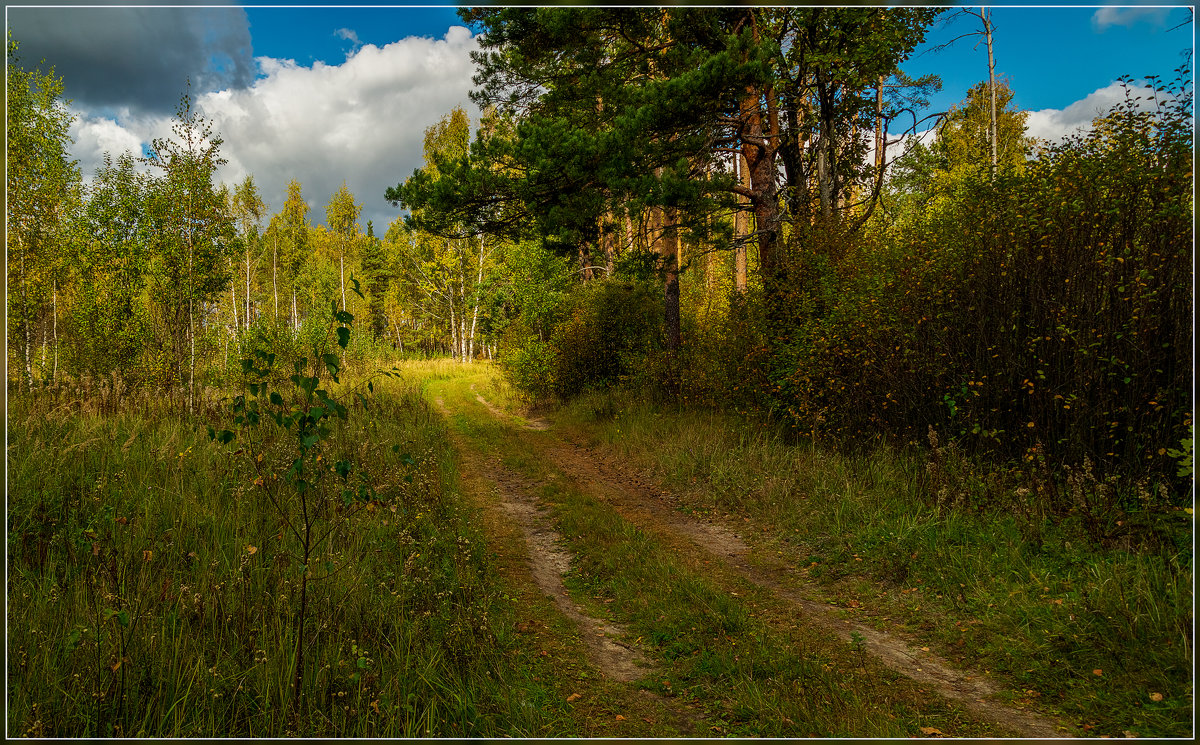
<point x="109" y="321"/>
<point x="1185" y="453"/>
<point x="41" y="192"/>
<point x="529" y="364"/>
<point x="1041" y="314"/>
<point x="606" y="335"/>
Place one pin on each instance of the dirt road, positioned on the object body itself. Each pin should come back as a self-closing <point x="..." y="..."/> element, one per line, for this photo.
<point x="642" y="503"/>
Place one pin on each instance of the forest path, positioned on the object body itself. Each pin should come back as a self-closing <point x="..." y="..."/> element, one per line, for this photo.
<point x="526" y="501"/>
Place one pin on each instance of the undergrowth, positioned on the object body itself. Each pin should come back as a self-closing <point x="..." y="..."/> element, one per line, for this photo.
<point x="150" y="593"/>
<point x="1083" y="612"/>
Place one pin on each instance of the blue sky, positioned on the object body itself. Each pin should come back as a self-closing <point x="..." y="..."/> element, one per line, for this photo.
<point x="326" y="94"/>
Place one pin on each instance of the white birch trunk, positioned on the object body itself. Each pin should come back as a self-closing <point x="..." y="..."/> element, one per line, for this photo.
<point x="25" y="317"/>
<point x="247" y="288"/>
<point x="233" y="297"/>
<point x="987" y="29"/>
<point x="275" y="276"/>
<point x="55" y="331"/>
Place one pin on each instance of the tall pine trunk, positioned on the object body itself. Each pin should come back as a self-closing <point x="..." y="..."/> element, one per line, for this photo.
<point x="741" y="226"/>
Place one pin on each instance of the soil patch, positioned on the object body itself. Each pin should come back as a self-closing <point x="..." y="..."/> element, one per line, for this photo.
<point x="547" y="564"/>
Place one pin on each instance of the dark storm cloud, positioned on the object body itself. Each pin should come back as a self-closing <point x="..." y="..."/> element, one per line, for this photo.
<point x="141" y="58"/>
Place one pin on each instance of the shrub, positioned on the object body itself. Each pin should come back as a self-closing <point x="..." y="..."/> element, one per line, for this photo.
<point x="610" y="326"/>
<point x="1044" y="313"/>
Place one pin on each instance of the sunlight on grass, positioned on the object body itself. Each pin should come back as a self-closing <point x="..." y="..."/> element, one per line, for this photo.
<point x="1041" y="604"/>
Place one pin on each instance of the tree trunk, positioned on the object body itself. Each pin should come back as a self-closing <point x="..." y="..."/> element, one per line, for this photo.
<point x="25" y="317"/>
<point x="760" y="144"/>
<point x="295" y="317"/>
<point x="462" y="335"/>
<point x="342" y="274"/>
<point x="667" y="239"/>
<point x="992" y="133"/>
<point x="475" y="313"/>
<point x="233" y="296"/>
<point x="879" y="125"/>
<point x="608" y="239"/>
<point x="55" y="374"/>
<point x="247" y="287"/>
<point x="741" y="226"/>
<point x="275" y="277"/>
<point x="192" y="367"/>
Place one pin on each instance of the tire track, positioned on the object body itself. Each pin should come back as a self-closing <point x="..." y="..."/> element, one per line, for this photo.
<point x="637" y="501"/>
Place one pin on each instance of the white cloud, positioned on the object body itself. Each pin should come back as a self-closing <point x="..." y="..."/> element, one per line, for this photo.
<point x="362" y="121"/>
<point x="1107" y="17"/>
<point x="349" y="35"/>
<point x="1054" y="124"/>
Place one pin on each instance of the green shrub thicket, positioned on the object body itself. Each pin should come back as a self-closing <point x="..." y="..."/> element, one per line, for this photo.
<point x="1042" y="314"/>
<point x="608" y="331"/>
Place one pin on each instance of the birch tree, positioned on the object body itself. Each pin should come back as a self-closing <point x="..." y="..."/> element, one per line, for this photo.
<point x="342" y="217"/>
<point x="248" y="210"/>
<point x="40" y="182"/>
<point x="192" y="232"/>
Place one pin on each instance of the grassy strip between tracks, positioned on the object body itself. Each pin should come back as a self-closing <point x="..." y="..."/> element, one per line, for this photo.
<point x="742" y="661"/>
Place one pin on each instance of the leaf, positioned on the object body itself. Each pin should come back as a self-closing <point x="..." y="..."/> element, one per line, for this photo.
<point x="932" y="732"/>
<point x="573" y="697"/>
<point x="1156" y="697"/>
<point x="343" y="336"/>
<point x="276" y="399"/>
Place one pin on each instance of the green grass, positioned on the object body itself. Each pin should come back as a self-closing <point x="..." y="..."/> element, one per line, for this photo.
<point x="1027" y="597"/>
<point x="741" y="659"/>
<point x="151" y="595"/>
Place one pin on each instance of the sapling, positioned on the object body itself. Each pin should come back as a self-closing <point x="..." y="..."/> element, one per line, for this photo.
<point x="301" y="492"/>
